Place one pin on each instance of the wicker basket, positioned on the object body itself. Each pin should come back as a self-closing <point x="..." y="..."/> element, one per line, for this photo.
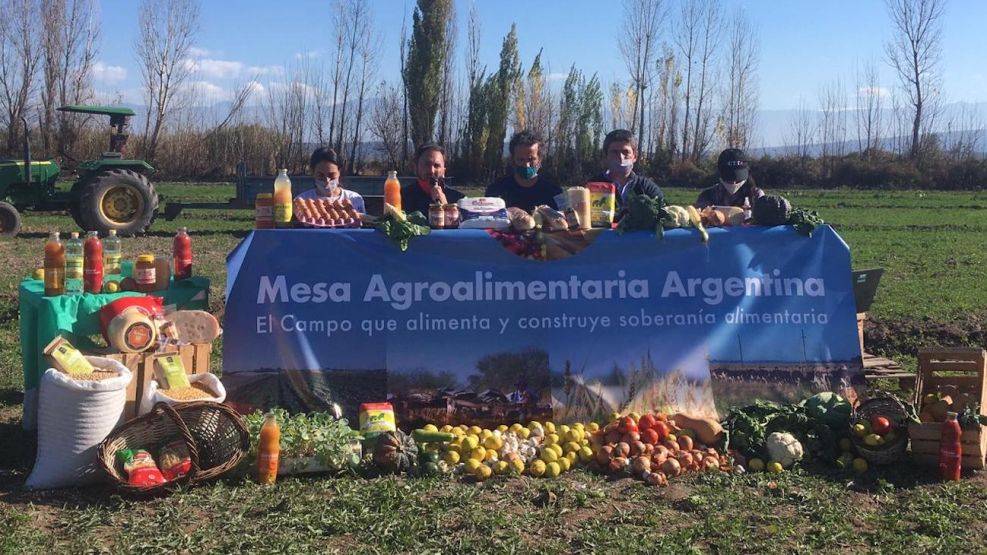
<point x="215" y="434"/>
<point x="894" y="410"/>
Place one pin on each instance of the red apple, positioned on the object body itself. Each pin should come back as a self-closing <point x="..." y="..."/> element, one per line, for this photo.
<point x="880" y="425"/>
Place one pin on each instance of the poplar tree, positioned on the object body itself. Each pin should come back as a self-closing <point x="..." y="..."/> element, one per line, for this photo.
<point x="423" y="71"/>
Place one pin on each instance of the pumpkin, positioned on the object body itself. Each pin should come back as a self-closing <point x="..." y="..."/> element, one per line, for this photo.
<point x="395" y="452"/>
<point x="771" y="210"/>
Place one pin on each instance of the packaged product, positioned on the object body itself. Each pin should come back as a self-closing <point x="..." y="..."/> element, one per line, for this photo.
<point x="550" y="219"/>
<point x="580" y="201"/>
<point x="174" y="460"/>
<point x="376" y="418"/>
<point x="603" y="202"/>
<point x="140" y="467"/>
<point x="171" y="371"/>
<point x="66" y="358"/>
<point x="520" y="220"/>
<point x="483" y="213"/>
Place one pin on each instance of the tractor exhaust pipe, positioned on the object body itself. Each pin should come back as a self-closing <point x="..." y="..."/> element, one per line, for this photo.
<point x="27" y="152"/>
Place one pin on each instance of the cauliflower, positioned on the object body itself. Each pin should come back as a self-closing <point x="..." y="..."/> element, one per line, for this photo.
<point x="784" y="448"/>
<point x="680" y="217"/>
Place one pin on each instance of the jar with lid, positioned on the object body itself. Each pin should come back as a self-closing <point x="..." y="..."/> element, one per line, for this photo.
<point x="451" y="215"/>
<point x="145" y="274"/>
<point x="264" y="211"/>
<point x="436" y="216"/>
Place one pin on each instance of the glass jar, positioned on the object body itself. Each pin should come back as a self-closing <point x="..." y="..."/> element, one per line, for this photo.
<point x="436" y="216"/>
<point x="145" y="274"/>
<point x="451" y="216"/>
<point x="264" y="211"/>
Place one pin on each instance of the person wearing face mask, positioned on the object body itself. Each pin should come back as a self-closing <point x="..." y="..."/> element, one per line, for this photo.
<point x="524" y="187"/>
<point x="620" y="153"/>
<point x="325" y="171"/>
<point x="736" y="184"/>
<point x="430" y="169"/>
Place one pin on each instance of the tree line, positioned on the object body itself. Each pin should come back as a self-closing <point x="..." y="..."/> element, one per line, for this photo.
<point x="689" y="88"/>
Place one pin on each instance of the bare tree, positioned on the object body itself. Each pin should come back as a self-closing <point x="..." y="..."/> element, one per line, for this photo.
<point x="697" y="39"/>
<point x="665" y="102"/>
<point x="740" y="109"/>
<point x="638" y="40"/>
<point x="832" y="119"/>
<point x="385" y="122"/>
<point x="963" y="133"/>
<point x="355" y="16"/>
<point x="447" y="93"/>
<point x="167" y="29"/>
<point x="801" y="131"/>
<point x="288" y="105"/>
<point x="19" y="58"/>
<point x="368" y="50"/>
<point x="868" y="110"/>
<point x="914" y="53"/>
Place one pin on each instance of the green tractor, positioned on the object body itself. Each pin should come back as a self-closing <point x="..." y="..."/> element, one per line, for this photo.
<point x="111" y="193"/>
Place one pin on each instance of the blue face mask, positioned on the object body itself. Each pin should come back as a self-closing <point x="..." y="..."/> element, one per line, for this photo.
<point x="528" y="172"/>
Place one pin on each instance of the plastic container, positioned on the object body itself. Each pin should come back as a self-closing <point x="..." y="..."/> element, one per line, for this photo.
<point x="264" y="211"/>
<point x="950" y="449"/>
<point x="182" y="254"/>
<point x="73" y="265"/>
<point x="92" y="273"/>
<point x="268" y="450"/>
<point x="112" y="254"/>
<point x="392" y="190"/>
<point x="282" y="200"/>
<point x="145" y="273"/>
<point x="54" y="266"/>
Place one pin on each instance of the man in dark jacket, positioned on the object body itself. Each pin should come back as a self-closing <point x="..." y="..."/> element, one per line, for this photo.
<point x="620" y="153"/>
<point x="524" y="187"/>
<point x="430" y="169"/>
<point x="736" y="185"/>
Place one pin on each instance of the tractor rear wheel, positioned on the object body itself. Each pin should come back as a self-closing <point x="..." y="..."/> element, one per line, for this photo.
<point x="123" y="200"/>
<point x="10" y="220"/>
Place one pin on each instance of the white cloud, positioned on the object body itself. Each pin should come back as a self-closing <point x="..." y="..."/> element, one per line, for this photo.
<point x="265" y="70"/>
<point x="204" y="92"/>
<point x="556" y="76"/>
<point x="197" y="52"/>
<point x="214" y="69"/>
<point x="108" y="74"/>
<point x="309" y="54"/>
<point x="873" y="91"/>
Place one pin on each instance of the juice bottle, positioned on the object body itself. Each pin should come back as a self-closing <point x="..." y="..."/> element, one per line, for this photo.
<point x="111" y="253"/>
<point x="73" y="264"/>
<point x="264" y="211"/>
<point x="54" y="266"/>
<point x="950" y="451"/>
<point x="392" y="190"/>
<point x="282" y="200"/>
<point x="268" y="450"/>
<point x="182" y="254"/>
<point x="92" y="274"/>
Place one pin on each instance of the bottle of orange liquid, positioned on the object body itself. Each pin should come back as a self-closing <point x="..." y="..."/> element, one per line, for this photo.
<point x="268" y="450"/>
<point x="392" y="190"/>
<point x="950" y="449"/>
<point x="282" y="200"/>
<point x="54" y="266"/>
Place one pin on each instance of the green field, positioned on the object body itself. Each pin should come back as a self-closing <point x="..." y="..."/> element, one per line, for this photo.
<point x="931" y="246"/>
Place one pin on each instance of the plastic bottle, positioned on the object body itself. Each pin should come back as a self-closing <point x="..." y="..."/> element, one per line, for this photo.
<point x="268" y="450"/>
<point x="73" y="265"/>
<point x="282" y="200"/>
<point x="392" y="189"/>
<point x="747" y="209"/>
<point x="92" y="274"/>
<point x="54" y="266"/>
<point x="111" y="253"/>
<point x="950" y="450"/>
<point x="182" y="254"/>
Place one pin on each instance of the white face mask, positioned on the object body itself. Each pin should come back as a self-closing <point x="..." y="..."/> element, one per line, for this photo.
<point x="327" y="188"/>
<point x="732" y="188"/>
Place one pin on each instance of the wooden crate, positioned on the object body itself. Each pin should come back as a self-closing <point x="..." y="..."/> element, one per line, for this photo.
<point x="861" y="319"/>
<point x="194" y="357"/>
<point x="953" y="370"/>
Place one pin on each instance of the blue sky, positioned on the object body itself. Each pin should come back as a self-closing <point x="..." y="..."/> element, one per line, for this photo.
<point x="804" y="45"/>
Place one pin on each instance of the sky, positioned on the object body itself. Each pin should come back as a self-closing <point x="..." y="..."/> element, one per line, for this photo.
<point x="804" y="46"/>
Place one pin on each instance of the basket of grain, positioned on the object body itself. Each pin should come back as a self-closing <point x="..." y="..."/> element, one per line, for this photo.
<point x="202" y="387"/>
<point x="216" y="437"/>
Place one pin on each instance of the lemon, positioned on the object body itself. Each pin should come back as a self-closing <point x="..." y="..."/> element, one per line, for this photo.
<point x="111" y="286"/>
<point x="493" y="442"/>
<point x="775" y="467"/>
<point x="564" y="464"/>
<point x="475" y="430"/>
<point x="471" y="442"/>
<point x="634" y="416"/>
<point x="524" y="433"/>
<point x="458" y="432"/>
<point x="578" y="426"/>
<point x="484" y="434"/>
<point x="549" y="428"/>
<point x="571" y="447"/>
<point x="573" y="457"/>
<point x="517" y="465"/>
<point x="515" y="427"/>
<point x="501" y="467"/>
<point x="562" y="430"/>
<point x="557" y="448"/>
<point x="39" y="273"/>
<point x="491" y="455"/>
<point x="452" y="458"/>
<point x="872" y="440"/>
<point x="447" y="429"/>
<point x="471" y="465"/>
<point x="585" y="454"/>
<point x="756" y="465"/>
<point x="859" y="465"/>
<point x="549" y="455"/>
<point x="592" y="427"/>
<point x="482" y="472"/>
<point x="537" y="468"/>
<point x="478" y="454"/>
<point x="430" y="428"/>
<point x="551" y="439"/>
<point x="552" y="470"/>
<point x="535" y="424"/>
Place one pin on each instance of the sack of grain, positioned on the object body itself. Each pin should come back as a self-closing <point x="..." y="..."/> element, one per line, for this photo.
<point x="204" y="387"/>
<point x="74" y="416"/>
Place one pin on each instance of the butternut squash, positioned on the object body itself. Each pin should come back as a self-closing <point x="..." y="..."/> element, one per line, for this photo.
<point x="707" y="430"/>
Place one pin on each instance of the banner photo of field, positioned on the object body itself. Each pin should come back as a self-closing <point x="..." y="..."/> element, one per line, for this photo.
<point x="460" y="329"/>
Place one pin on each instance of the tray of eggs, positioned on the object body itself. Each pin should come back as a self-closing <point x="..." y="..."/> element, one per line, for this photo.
<point x="324" y="212"/>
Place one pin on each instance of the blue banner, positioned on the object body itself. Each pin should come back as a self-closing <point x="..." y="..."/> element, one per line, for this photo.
<point x="460" y="328"/>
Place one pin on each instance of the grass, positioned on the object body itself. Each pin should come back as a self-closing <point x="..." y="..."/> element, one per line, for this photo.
<point x="931" y="247"/>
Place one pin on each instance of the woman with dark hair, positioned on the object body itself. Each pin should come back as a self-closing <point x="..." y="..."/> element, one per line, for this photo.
<point x="325" y="171"/>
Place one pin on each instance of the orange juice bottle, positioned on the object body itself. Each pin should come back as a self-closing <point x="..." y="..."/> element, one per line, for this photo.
<point x="54" y="266"/>
<point x="282" y="200"/>
<point x="268" y="450"/>
<point x="392" y="190"/>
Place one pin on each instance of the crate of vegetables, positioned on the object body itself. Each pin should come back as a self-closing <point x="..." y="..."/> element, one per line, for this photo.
<point x="950" y="380"/>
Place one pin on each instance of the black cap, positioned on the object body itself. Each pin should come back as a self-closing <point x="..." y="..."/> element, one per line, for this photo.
<point x="733" y="165"/>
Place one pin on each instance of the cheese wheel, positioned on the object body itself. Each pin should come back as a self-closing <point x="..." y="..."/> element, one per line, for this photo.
<point x="195" y="326"/>
<point x="131" y="331"/>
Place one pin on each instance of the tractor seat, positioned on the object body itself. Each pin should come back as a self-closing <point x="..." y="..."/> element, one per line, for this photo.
<point x="111" y="156"/>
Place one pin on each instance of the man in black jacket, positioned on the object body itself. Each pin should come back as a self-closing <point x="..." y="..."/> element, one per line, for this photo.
<point x="430" y="169"/>
<point x="620" y="153"/>
<point x="525" y="187"/>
